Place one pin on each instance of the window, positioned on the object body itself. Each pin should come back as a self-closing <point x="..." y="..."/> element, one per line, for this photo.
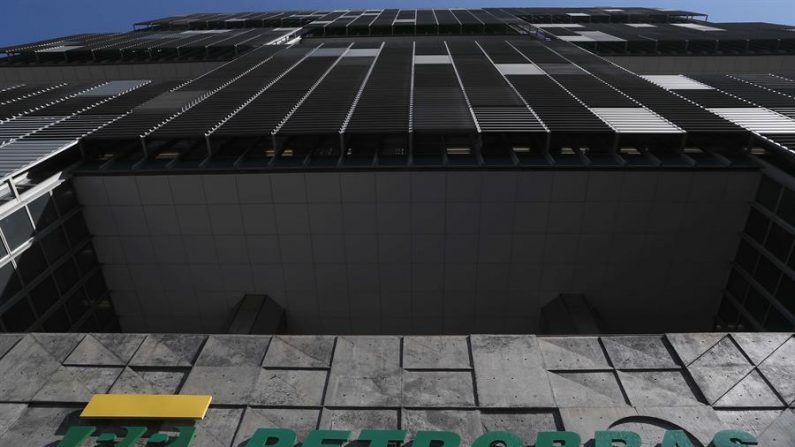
<point x="64" y="198"/>
<point x="786" y="209"/>
<point x="768" y="193"/>
<point x="16" y="228"/>
<point x="776" y="322"/>
<point x="786" y="293"/>
<point x="96" y="287"/>
<point x="9" y="281"/>
<point x="31" y="263"/>
<point x="19" y="317"/>
<point x="78" y="304"/>
<point x="756" y="305"/>
<point x="727" y="312"/>
<point x="747" y="256"/>
<point x="767" y="274"/>
<point x="58" y="321"/>
<point x="76" y="228"/>
<point x="86" y="259"/>
<point x="737" y="286"/>
<point x="779" y="242"/>
<point x="66" y="276"/>
<point x="757" y="225"/>
<point x="42" y="210"/>
<point x="44" y="296"/>
<point x="55" y="245"/>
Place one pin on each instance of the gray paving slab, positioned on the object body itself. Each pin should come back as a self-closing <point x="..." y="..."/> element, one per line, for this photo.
<point x="752" y="421"/>
<point x="638" y="352"/>
<point x="466" y="423"/>
<point x="779" y="369"/>
<point x="715" y="381"/>
<point x="58" y="345"/>
<point x="658" y="388"/>
<point x="9" y="413"/>
<point x="301" y="421"/>
<point x="689" y="347"/>
<point x="91" y="351"/>
<point x="365" y="372"/>
<point x="438" y="389"/>
<point x="24" y="370"/>
<point x="286" y="387"/>
<point x="724" y="353"/>
<point x="702" y="422"/>
<point x="355" y="420"/>
<point x="40" y="426"/>
<point x="780" y="431"/>
<point x="232" y="385"/>
<point x="218" y="427"/>
<point x="299" y="351"/>
<point x="758" y="346"/>
<point x="147" y="381"/>
<point x="752" y="391"/>
<point x="509" y="372"/>
<point x="449" y="352"/>
<point x="233" y="350"/>
<point x="587" y="421"/>
<point x="122" y="345"/>
<point x="168" y="350"/>
<point x="77" y="383"/>
<point x="526" y="425"/>
<point x="572" y="353"/>
<point x="8" y="341"/>
<point x="581" y="389"/>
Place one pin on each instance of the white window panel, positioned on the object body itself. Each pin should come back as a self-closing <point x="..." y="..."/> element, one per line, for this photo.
<point x="519" y="69"/>
<point x="676" y="82"/>
<point x="432" y="59"/>
<point x="363" y="52"/>
<point x="698" y="27"/>
<point x="634" y="120"/>
<point x="578" y="14"/>
<point x="641" y="25"/>
<point x="600" y="36"/>
<point x="757" y="119"/>
<point x="576" y="38"/>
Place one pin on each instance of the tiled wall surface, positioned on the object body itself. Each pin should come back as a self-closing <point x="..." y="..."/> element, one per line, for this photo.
<point x="701" y="383"/>
<point x="418" y="252"/>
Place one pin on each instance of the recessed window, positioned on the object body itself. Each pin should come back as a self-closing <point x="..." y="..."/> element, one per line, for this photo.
<point x="86" y="259"/>
<point x="66" y="276"/>
<point x="786" y="207"/>
<point x="786" y="293"/>
<point x="727" y="312"/>
<point x="96" y="287"/>
<point x="737" y="286"/>
<point x="768" y="193"/>
<point x="19" y="317"/>
<point x="78" y="304"/>
<point x="55" y="245"/>
<point x="779" y="241"/>
<point x="31" y="263"/>
<point x="64" y="198"/>
<point x="44" y="296"/>
<point x="757" y="225"/>
<point x="767" y="274"/>
<point x="16" y="228"/>
<point x="777" y="322"/>
<point x="756" y="305"/>
<point x="9" y="281"/>
<point x="58" y="321"/>
<point x="43" y="212"/>
<point x="747" y="256"/>
<point x="76" y="228"/>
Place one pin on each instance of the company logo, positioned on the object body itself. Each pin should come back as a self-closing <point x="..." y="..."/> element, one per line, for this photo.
<point x="181" y="407"/>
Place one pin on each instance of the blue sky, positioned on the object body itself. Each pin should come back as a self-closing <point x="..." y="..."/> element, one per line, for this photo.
<point x="29" y="20"/>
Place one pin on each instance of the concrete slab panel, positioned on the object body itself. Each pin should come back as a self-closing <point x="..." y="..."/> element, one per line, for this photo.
<point x="581" y="389"/>
<point x="9" y="413"/>
<point x="715" y="381"/>
<point x="168" y="350"/>
<point x="40" y="425"/>
<point x="228" y="385"/>
<point x="289" y="388"/>
<point x="587" y="421"/>
<point x="355" y="420"/>
<point x="508" y="372"/>
<point x="437" y="389"/>
<point x="365" y="372"/>
<point x="752" y="391"/>
<point x="233" y="350"/>
<point x="8" y="341"/>
<point x="77" y="384"/>
<point x="658" y="388"/>
<point x="780" y="432"/>
<point x="148" y="381"/>
<point x="436" y="353"/>
<point x="724" y="353"/>
<point x="299" y="420"/>
<point x="25" y="369"/>
<point x="752" y="421"/>
<point x="638" y="352"/>
<point x="287" y="351"/>
<point x="779" y="370"/>
<point x="464" y="422"/>
<point x="572" y="353"/>
<point x="91" y="351"/>
<point x="689" y="347"/>
<point x="58" y="345"/>
<point x="758" y="346"/>
<point x="702" y="422"/>
<point x="526" y="425"/>
<point x="218" y="427"/>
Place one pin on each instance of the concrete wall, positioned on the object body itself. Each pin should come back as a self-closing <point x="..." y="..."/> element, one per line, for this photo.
<point x="700" y="383"/>
<point x="418" y="252"/>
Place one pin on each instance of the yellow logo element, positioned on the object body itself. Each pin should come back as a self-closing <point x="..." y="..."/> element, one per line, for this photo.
<point x="147" y="406"/>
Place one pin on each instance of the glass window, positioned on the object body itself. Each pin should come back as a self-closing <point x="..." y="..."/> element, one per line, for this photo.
<point x="19" y="317"/>
<point x="66" y="276"/>
<point x="78" y="304"/>
<point x="86" y="259"/>
<point x="42" y="210"/>
<point x="768" y="193"/>
<point x="90" y="325"/>
<point x="95" y="286"/>
<point x="76" y="229"/>
<point x="9" y="282"/>
<point x="786" y="208"/>
<point x="58" y="321"/>
<point x="16" y="228"/>
<point x="777" y="322"/>
<point x="767" y="274"/>
<point x="737" y="286"/>
<point x="779" y="242"/>
<point x="786" y="293"/>
<point x="31" y="263"/>
<point x="727" y="312"/>
<point x="756" y="227"/>
<point x="756" y="305"/>
<point x="44" y="296"/>
<point x="64" y="198"/>
<point x="747" y="256"/>
<point x="104" y="314"/>
<point x="55" y="245"/>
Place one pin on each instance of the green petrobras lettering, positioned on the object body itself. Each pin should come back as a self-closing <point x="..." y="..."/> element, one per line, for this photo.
<point x="733" y="438"/>
<point x="676" y="438"/>
<point x="608" y="438"/>
<point x="272" y="437"/>
<point x="506" y="438"/>
<point x="382" y="438"/>
<point x="446" y="438"/>
<point x="77" y="437"/>
<point x="557" y="439"/>
<point x="325" y="438"/>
